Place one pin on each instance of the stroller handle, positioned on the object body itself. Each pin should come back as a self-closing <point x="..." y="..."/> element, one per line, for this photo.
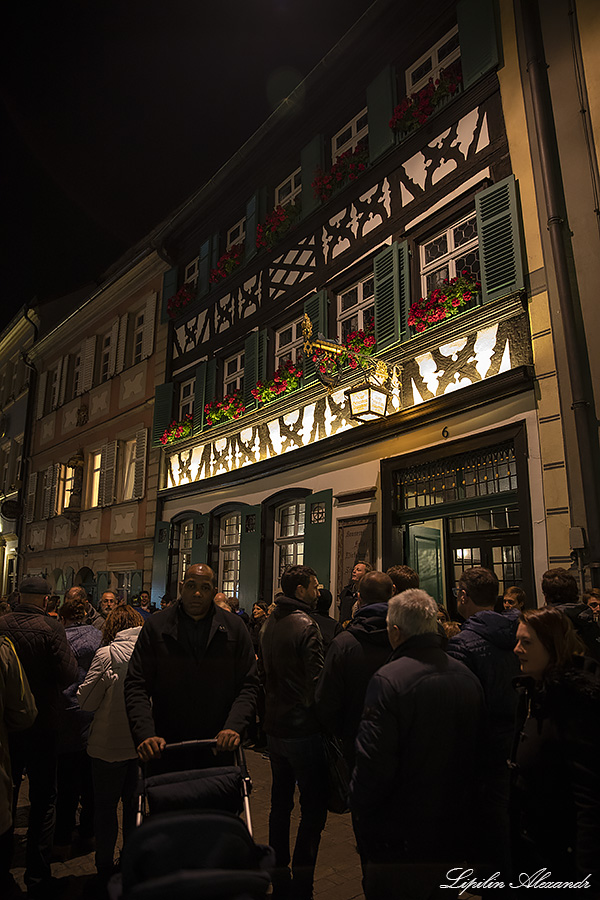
<point x="178" y="745"/>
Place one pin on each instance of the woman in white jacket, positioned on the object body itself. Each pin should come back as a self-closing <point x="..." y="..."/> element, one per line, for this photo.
<point x="114" y="757"/>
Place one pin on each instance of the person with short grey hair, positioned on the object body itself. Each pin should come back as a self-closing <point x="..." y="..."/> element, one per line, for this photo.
<point x="423" y="717"/>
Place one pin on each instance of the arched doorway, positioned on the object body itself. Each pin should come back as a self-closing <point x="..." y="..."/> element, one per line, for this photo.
<point x="85" y="578"/>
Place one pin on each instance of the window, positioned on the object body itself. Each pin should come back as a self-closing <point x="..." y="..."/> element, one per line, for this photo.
<point x="190" y="274"/>
<point x="77" y="373"/>
<point x="449" y="253"/>
<point x="288" y="190"/>
<point x="186" y="399"/>
<point x="237" y="233"/>
<point x="105" y="357"/>
<point x="356" y="308"/>
<point x="128" y="469"/>
<point x="186" y="535"/>
<point x="289" y="538"/>
<point x="288" y="343"/>
<point x="65" y="488"/>
<point x="234" y="373"/>
<point x="349" y="136"/>
<point x="138" y="337"/>
<point x="431" y="63"/>
<point x="95" y="466"/>
<point x="54" y="386"/>
<point x="229" y="554"/>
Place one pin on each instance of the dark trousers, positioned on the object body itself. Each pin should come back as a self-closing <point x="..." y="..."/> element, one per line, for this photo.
<point x="34" y="751"/>
<point x="113" y="781"/>
<point x="301" y="761"/>
<point x="74" y="784"/>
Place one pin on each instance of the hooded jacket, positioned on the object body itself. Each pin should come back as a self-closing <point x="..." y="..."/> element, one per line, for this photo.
<point x="17" y="712"/>
<point x="485" y="645"/>
<point x="353" y="658"/>
<point x="292" y="660"/>
<point x="555" y="796"/>
<point x="102" y="693"/>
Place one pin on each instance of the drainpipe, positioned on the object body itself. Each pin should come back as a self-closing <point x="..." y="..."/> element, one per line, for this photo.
<point x="25" y="453"/>
<point x="581" y="387"/>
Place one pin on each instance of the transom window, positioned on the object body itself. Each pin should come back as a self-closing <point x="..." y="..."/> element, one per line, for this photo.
<point x="288" y="343"/>
<point x="94" y="482"/>
<point x="236" y="233"/>
<point x="289" y="538"/>
<point x="190" y="275"/>
<point x="138" y="338"/>
<point x="449" y="253"/>
<point x="356" y="308"/>
<point x="233" y="379"/>
<point x="348" y="137"/>
<point x="186" y="399"/>
<point x="105" y="357"/>
<point x="288" y="190"/>
<point x="229" y="555"/>
<point x="431" y="63"/>
<point x="186" y="535"/>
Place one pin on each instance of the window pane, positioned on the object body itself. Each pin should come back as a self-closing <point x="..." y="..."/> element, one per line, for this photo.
<point x="447" y="48"/>
<point x="467" y="231"/>
<point x="368" y="288"/>
<point x="436" y="279"/>
<point x="350" y="299"/>
<point x="436" y="248"/>
<point x="348" y="326"/>
<point x="423" y="69"/>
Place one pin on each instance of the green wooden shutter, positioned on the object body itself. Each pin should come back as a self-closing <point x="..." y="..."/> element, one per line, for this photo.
<point x="201" y="524"/>
<point x="211" y="381"/>
<point x="205" y="263"/>
<point x="392" y="293"/>
<point x="316" y="309"/>
<point x="311" y="158"/>
<point x="199" y="398"/>
<point x="317" y="534"/>
<point x="498" y="227"/>
<point x="250" y="557"/>
<point x="160" y="561"/>
<point x="255" y="213"/>
<point x="478" y="39"/>
<point x="381" y="100"/>
<point x="163" y="411"/>
<point x="169" y="287"/>
<point x="103" y="582"/>
<point x="250" y="369"/>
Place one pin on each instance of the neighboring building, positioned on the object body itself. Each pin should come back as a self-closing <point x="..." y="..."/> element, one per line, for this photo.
<point x="91" y="484"/>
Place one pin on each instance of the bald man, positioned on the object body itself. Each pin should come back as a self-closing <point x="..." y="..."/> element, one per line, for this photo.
<point x="192" y="673"/>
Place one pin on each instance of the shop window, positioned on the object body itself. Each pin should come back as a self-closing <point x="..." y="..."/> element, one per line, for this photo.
<point x="289" y="538"/>
<point x="288" y="190"/>
<point x="229" y="553"/>
<point x="288" y="343"/>
<point x="348" y="137"/>
<point x="186" y="399"/>
<point x="233" y="379"/>
<point x="438" y="57"/>
<point x="356" y="308"/>
<point x="449" y="253"/>
<point x="236" y="233"/>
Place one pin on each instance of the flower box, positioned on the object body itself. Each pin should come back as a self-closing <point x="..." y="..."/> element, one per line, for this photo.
<point x="277" y="224"/>
<point x="178" y="302"/>
<point x="348" y="167"/>
<point x="285" y="380"/>
<point x="416" y="109"/>
<point x="444" y="302"/>
<point x="358" y="347"/>
<point x="225" y="410"/>
<point x="177" y="430"/>
<point x="227" y="263"/>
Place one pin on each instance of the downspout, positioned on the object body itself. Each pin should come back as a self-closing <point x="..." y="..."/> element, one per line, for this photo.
<point x="581" y="387"/>
<point x="31" y="395"/>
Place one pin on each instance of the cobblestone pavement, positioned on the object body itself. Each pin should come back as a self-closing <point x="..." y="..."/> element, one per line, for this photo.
<point x="338" y="875"/>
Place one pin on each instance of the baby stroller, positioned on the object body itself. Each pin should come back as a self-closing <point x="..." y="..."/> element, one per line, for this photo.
<point x="190" y="841"/>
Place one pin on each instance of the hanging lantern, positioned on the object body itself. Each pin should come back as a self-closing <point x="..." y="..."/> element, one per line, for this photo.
<point x="367" y="401"/>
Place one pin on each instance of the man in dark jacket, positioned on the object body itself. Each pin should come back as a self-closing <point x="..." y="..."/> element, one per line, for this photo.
<point x="560" y="590"/>
<point x="353" y="658"/>
<point x="327" y="626"/>
<point x="192" y="674"/>
<point x="423" y="718"/>
<point x="349" y="594"/>
<point x="292" y="658"/>
<point x="50" y="666"/>
<point x="485" y="644"/>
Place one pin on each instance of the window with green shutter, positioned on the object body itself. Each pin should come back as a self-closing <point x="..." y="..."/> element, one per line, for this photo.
<point x="163" y="411"/>
<point x="381" y="100"/>
<point x="499" y="229"/>
<point x="312" y="158"/>
<point x="169" y="288"/>
<point x="316" y="309"/>
<point x="204" y="391"/>
<point x="392" y="294"/>
<point x="478" y="39"/>
<point x="255" y="365"/>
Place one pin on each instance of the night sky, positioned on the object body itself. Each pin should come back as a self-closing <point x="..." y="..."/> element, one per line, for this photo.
<point x="113" y="112"/>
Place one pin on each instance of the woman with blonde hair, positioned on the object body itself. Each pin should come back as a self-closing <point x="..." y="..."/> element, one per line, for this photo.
<point x="110" y="746"/>
<point x="555" y="791"/>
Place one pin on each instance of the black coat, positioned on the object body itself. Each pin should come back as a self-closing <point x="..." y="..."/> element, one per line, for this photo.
<point x="328" y="627"/>
<point x="46" y="657"/>
<point x="424" y="716"/>
<point x="171" y="694"/>
<point x="353" y="658"/>
<point x="555" y="791"/>
<point x="292" y="661"/>
<point x="348" y="598"/>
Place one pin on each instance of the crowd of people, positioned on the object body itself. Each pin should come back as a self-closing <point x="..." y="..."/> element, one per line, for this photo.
<point x="502" y="703"/>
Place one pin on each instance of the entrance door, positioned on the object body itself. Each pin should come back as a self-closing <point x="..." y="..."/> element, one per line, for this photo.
<point x="425" y="557"/>
<point x="500" y="552"/>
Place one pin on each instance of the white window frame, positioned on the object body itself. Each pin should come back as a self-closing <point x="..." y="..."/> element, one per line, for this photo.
<point x="64" y="489"/>
<point x="230" y="544"/>
<point x="362" y="305"/>
<point x="437" y="64"/>
<point x="137" y="353"/>
<point x="190" y="273"/>
<point x="294" y="542"/>
<point x="104" y="372"/>
<point x="358" y="127"/>
<point x="294" y="185"/>
<point x="449" y="258"/>
<point x="94" y="469"/>
<point x="236" y="234"/>
<point x="293" y="349"/>
<point x="186" y="398"/>
<point x="234" y="381"/>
